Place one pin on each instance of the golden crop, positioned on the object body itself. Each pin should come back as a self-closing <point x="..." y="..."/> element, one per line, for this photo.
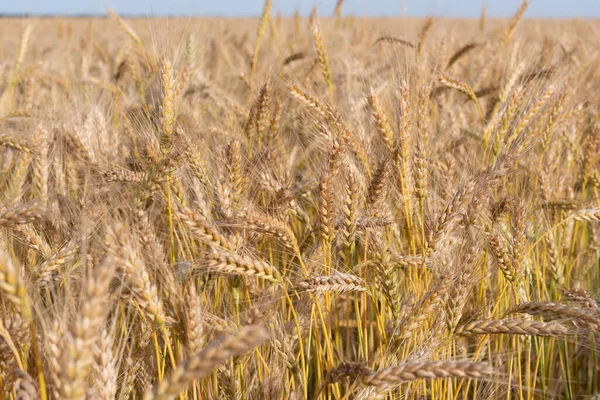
<point x="299" y="208"/>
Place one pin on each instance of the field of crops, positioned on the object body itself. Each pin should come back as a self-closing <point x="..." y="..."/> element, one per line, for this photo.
<point x="323" y="207"/>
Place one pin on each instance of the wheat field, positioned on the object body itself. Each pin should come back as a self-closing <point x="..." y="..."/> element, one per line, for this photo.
<point x="330" y="207"/>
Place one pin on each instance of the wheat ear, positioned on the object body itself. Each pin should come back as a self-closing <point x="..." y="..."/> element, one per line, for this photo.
<point x="232" y="263"/>
<point x="427" y="370"/>
<point x="200" y="365"/>
<point x="556" y="310"/>
<point x="23" y="214"/>
<point x="512" y="327"/>
<point x="339" y="282"/>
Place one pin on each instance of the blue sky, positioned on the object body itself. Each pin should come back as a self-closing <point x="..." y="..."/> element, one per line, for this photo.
<point x="443" y="8"/>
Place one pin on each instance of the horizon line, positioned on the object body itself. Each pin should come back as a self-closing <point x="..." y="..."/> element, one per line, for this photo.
<point x="240" y="16"/>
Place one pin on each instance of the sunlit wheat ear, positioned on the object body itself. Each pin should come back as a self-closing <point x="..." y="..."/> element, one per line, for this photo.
<point x="53" y="345"/>
<point x="22" y="215"/>
<point x="7" y="100"/>
<point x="194" y="320"/>
<point x="531" y="113"/>
<point x="420" y="174"/>
<point x="376" y="194"/>
<point x="407" y="372"/>
<point x="513" y="23"/>
<point x="155" y="255"/>
<point x="559" y="311"/>
<point x="78" y="355"/>
<point x="512" y="327"/>
<point x="13" y="336"/>
<point x="167" y="103"/>
<point x="226" y="262"/>
<point x="234" y="173"/>
<point x="308" y="100"/>
<point x="461" y="291"/>
<point x="482" y="18"/>
<point x="262" y="105"/>
<point x="40" y="168"/>
<point x="12" y="286"/>
<point x="126" y="28"/>
<point x="583" y="297"/>
<point x="262" y="24"/>
<point x="47" y="273"/>
<point x="553" y="117"/>
<point x="350" y="212"/>
<point x="200" y="365"/>
<point x="449" y="215"/>
<point x="127" y="258"/>
<point x="388" y="281"/>
<point x="10" y="141"/>
<point x="462" y="87"/>
<point x="23" y="44"/>
<point x="590" y="152"/>
<point x="421" y="311"/>
<point x="590" y="214"/>
<point x="338" y="282"/>
<point x="269" y="226"/>
<point x="106" y="366"/>
<point x="273" y="137"/>
<point x="337" y="11"/>
<point x="381" y="121"/>
<point x="326" y="209"/>
<point x="501" y="257"/>
<point x="25" y="386"/>
<point x="423" y="35"/>
<point x="123" y="175"/>
<point x="322" y="56"/>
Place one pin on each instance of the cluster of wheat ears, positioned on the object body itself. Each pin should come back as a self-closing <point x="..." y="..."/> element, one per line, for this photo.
<point x="333" y="208"/>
